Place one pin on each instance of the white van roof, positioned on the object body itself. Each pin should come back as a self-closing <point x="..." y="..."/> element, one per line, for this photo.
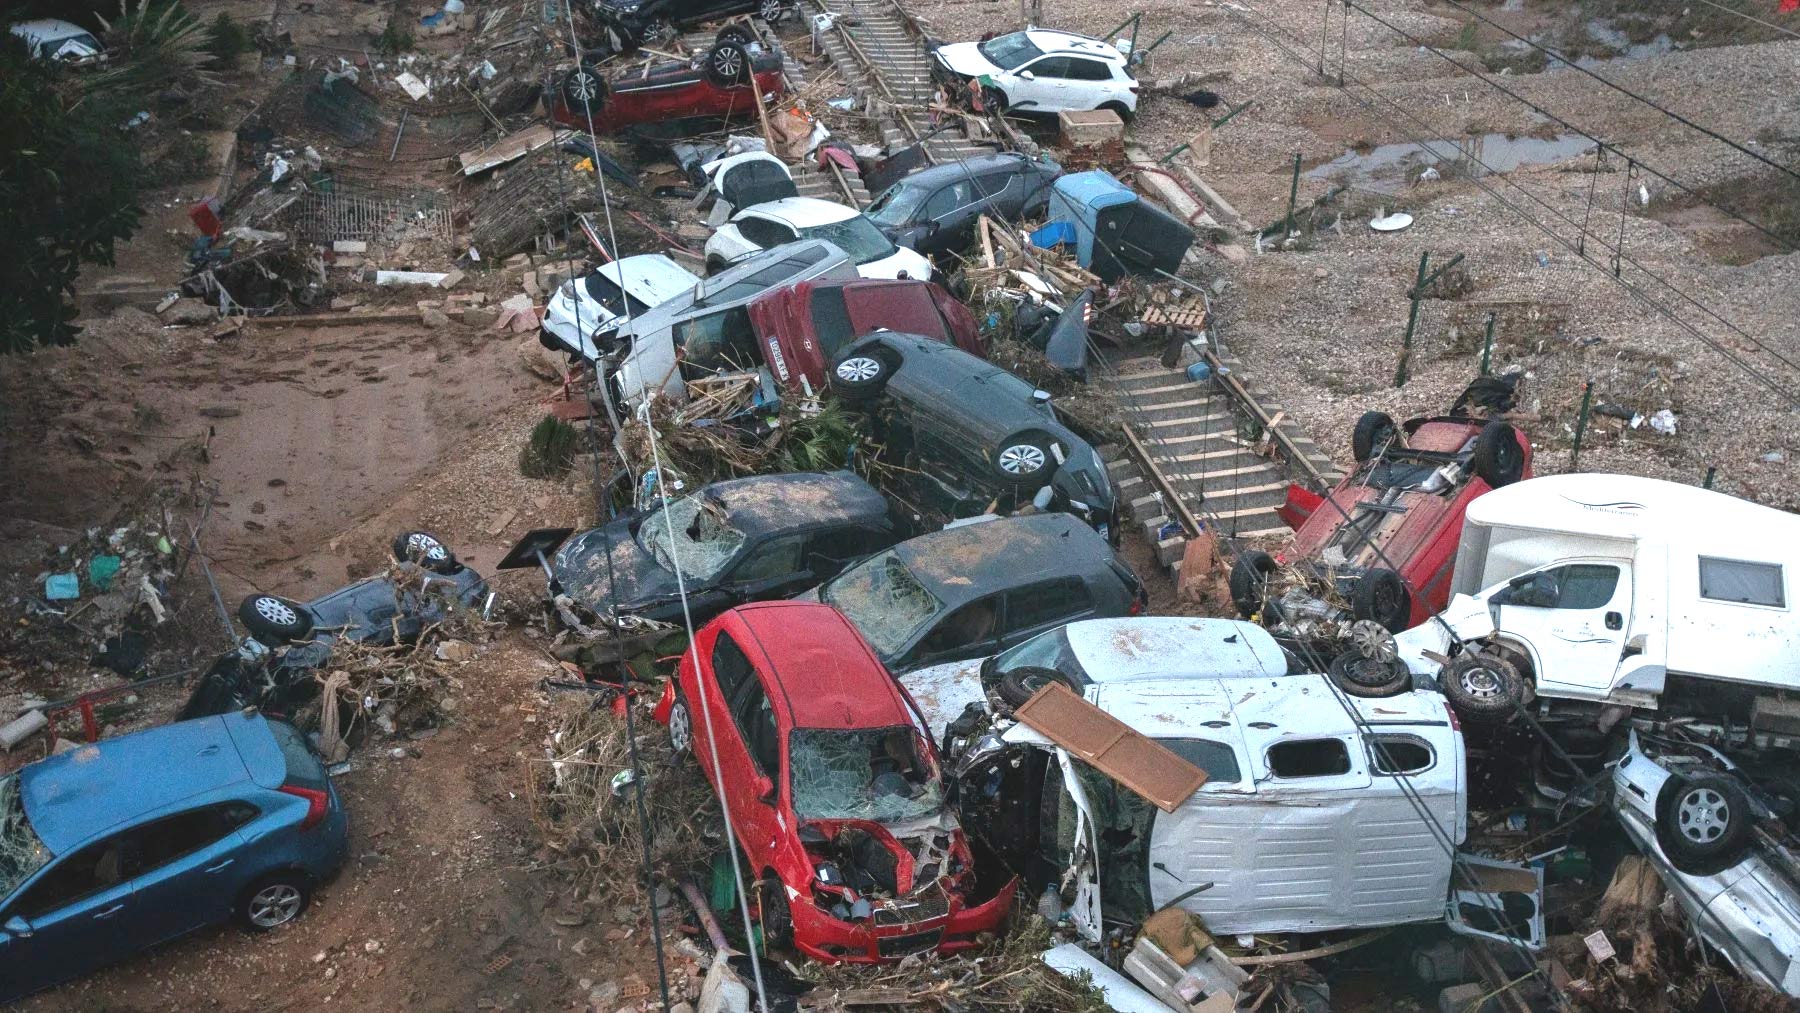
<point x="1173" y="646"/>
<point x="1627" y="506"/>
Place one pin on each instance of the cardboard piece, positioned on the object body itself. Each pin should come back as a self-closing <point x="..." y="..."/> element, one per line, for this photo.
<point x="1112" y="747"/>
<point x="513" y="146"/>
<point x="1174" y="932"/>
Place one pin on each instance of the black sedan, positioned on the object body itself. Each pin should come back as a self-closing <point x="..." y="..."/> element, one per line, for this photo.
<point x="934" y="210"/>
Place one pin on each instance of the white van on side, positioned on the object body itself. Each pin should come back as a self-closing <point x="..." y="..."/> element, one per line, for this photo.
<point x="1610" y="590"/>
<point x="1302" y="826"/>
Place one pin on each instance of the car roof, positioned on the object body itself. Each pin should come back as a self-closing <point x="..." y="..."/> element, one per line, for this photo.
<point x="1302" y="705"/>
<point x="984" y="400"/>
<point x="829" y="676"/>
<point x="72" y="797"/>
<point x="1069" y="42"/>
<point x="47" y="28"/>
<point x="971" y="561"/>
<point x="1113" y="650"/>
<point x="802" y="212"/>
<point x="761" y="504"/>
<point x="948" y="172"/>
<point x="707" y="295"/>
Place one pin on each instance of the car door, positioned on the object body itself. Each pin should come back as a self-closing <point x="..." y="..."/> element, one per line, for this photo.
<point x="756" y="803"/>
<point x="1572" y="618"/>
<point x="970" y="631"/>
<point x="1090" y="83"/>
<point x="67" y="921"/>
<point x="939" y="217"/>
<point x="1033" y="609"/>
<point x="1041" y="84"/>
<point x="187" y="870"/>
<point x="771" y="568"/>
<point x="717" y="683"/>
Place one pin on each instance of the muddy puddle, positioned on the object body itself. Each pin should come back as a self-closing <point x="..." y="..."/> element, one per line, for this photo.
<point x="1391" y="168"/>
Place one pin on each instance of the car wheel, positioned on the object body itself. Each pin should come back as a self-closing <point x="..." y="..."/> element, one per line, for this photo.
<point x="1498" y="459"/>
<point x="1373" y="433"/>
<point x="274" y="620"/>
<point x="1360" y="675"/>
<point x="993" y="100"/>
<point x="860" y="376"/>
<point x="773" y="913"/>
<point x="1703" y="822"/>
<point x="1119" y="109"/>
<point x="1249" y="581"/>
<point x="1025" y="459"/>
<point x="273" y="901"/>
<point x="772" y="11"/>
<point x="584" y="90"/>
<point x="1021" y="684"/>
<point x="1482" y="686"/>
<point x="727" y="65"/>
<point x="737" y="35"/>
<point x="425" y="549"/>
<point x="1380" y="596"/>
<point x="681" y="727"/>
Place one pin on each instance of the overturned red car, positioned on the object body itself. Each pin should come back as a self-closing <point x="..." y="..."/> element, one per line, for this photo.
<point x="806" y="327"/>
<point x="1380" y="548"/>
<point x="718" y="85"/>
<point x="832" y="783"/>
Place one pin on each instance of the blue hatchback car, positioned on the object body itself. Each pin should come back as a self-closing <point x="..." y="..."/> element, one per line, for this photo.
<point x="117" y="846"/>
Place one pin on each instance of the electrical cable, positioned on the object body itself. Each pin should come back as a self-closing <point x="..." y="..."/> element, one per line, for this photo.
<point x="1788" y="395"/>
<point x="1621" y="89"/>
<point x="687" y="616"/>
<point x="1784" y="242"/>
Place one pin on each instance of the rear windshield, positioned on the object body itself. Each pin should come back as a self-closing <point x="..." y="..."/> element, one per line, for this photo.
<point x="885" y="602"/>
<point x="303" y="770"/>
<point x="856" y="236"/>
<point x="608" y="294"/>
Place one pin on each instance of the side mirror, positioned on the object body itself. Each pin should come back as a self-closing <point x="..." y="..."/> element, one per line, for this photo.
<point x="1027" y="75"/>
<point x="1520" y="581"/>
<point x="765" y="788"/>
<point x="18" y="927"/>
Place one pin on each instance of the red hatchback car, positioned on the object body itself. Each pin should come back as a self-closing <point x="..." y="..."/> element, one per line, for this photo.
<point x="832" y="782"/>
<point x="669" y="90"/>
<point x="806" y="327"/>
<point x="1381" y="547"/>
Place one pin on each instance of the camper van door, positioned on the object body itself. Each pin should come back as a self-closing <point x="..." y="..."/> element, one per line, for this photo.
<point x="1572" y="617"/>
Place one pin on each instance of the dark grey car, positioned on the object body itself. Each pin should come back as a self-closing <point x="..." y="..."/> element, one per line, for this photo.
<point x="979" y="588"/>
<point x="934" y="210"/>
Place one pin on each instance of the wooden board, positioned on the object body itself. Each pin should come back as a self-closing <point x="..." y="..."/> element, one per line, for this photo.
<point x="1114" y="748"/>
<point x="506" y="149"/>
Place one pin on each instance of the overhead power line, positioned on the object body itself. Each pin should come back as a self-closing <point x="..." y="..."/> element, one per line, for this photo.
<point x="1752" y="18"/>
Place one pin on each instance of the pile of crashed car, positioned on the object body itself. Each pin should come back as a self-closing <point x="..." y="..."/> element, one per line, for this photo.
<point x="925" y="690"/>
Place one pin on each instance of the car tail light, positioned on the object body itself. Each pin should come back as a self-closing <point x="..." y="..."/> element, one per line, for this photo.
<point x="316" y="801"/>
<point x="1137" y="607"/>
<point x="1087" y="312"/>
<point x="1455" y="723"/>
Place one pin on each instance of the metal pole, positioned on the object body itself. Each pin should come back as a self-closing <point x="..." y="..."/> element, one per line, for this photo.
<point x="1293" y="195"/>
<point x="1487" y="346"/>
<point x="1587" y="397"/>
<point x="1412" y="321"/>
<point x="1221" y="121"/>
<point x="1324" y="33"/>
<point x="1711" y="470"/>
<point x="1137" y="21"/>
<point x="1107" y="36"/>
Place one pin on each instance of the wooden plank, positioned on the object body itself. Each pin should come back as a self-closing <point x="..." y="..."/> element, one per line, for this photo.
<point x="506" y="149"/>
<point x="1111" y="746"/>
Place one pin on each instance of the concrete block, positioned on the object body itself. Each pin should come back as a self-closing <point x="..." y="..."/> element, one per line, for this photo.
<point x="1092" y="126"/>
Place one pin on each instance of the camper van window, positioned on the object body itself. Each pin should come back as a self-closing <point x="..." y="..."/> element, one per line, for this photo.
<point x="1309" y="758"/>
<point x="1400" y="754"/>
<point x="1746" y="583"/>
<point x="1576" y="586"/>
<point x="1216" y="758"/>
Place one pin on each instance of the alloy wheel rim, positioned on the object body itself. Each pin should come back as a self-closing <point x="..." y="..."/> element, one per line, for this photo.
<point x="584" y="86"/>
<point x="424" y="545"/>
<point x="727" y="63"/>
<point x="276" y="611"/>
<point x="1022" y="459"/>
<point x="274" y="905"/>
<point x="679" y="732"/>
<point x="860" y="369"/>
<point x="1703" y="815"/>
<point x="771" y="9"/>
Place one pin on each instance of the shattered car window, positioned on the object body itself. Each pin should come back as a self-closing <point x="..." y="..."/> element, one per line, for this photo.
<point x="881" y="774"/>
<point x="884" y="601"/>
<point x="896" y="206"/>
<point x="1046" y="650"/>
<point x="703" y="542"/>
<point x="856" y="236"/>
<point x="21" y="852"/>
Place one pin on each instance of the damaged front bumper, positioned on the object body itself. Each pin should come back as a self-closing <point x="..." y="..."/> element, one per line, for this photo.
<point x="934" y="920"/>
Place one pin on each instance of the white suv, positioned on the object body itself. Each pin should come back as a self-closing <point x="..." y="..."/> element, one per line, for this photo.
<point x="1040" y="71"/>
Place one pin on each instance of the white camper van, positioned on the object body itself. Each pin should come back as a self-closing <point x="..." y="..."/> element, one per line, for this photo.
<point x="1615" y="590"/>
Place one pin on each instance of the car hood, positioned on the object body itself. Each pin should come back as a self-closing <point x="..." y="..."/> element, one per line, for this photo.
<point x="965" y="58"/>
<point x="943" y="692"/>
<point x="636" y="580"/>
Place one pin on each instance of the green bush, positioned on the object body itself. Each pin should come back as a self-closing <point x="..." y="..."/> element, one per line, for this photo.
<point x="228" y="40"/>
<point x="393" y="40"/>
<point x="550" y="449"/>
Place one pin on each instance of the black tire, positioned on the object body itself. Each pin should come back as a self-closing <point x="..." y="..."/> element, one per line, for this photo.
<point x="862" y="375"/>
<point x="773" y="11"/>
<point x="1380" y="596"/>
<point x="1374" y="431"/>
<point x="1120" y="110"/>
<point x="735" y="34"/>
<point x="425" y="549"/>
<point x="274" y="900"/>
<point x="994" y="100"/>
<point x="727" y="65"/>
<point x="1498" y="459"/>
<point x="772" y="912"/>
<point x="1483" y="686"/>
<point x="1250" y="574"/>
<point x="274" y="620"/>
<point x="1020" y="684"/>
<point x="584" y="90"/>
<point x="1025" y="460"/>
<point x="1359" y="675"/>
<point x="1703" y="822"/>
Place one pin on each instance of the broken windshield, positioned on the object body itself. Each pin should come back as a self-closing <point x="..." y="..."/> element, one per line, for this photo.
<point x="704" y="544"/>
<point x="856" y="236"/>
<point x="881" y="774"/>
<point x="1046" y="650"/>
<point x="884" y="601"/>
<point x="21" y="852"/>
